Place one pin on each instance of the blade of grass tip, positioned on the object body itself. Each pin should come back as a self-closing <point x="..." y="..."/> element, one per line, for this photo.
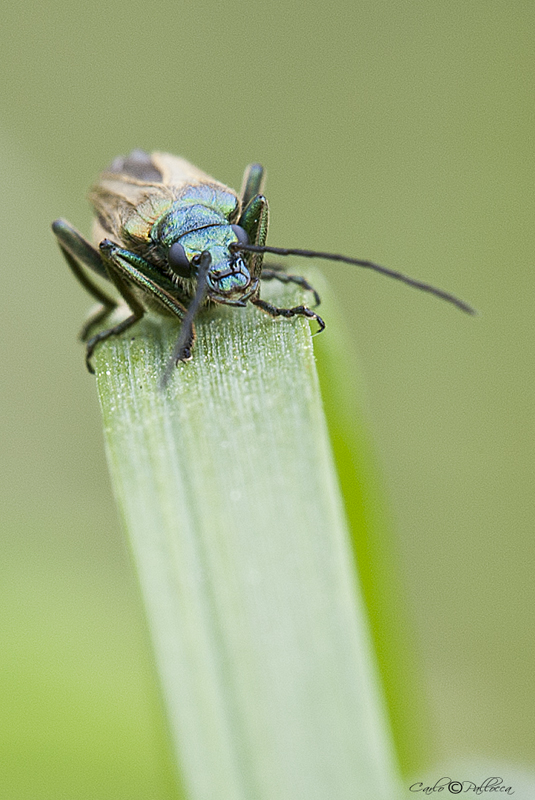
<point x="227" y="487"/>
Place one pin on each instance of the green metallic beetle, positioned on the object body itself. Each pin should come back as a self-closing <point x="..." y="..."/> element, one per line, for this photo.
<point x="171" y="238"/>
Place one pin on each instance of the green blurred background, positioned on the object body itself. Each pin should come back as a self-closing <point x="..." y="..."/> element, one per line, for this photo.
<point x="398" y="131"/>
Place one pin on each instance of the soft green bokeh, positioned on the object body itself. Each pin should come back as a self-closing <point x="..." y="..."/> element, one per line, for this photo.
<point x="400" y="132"/>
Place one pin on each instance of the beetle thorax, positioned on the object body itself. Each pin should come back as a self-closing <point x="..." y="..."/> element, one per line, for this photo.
<point x="196" y="228"/>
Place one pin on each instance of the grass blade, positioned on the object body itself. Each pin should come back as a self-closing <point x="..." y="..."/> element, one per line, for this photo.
<point x="227" y="488"/>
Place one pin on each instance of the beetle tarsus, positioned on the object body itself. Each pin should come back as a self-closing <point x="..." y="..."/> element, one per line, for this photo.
<point x="103" y="335"/>
<point x="184" y="355"/>
<point x="301" y="311"/>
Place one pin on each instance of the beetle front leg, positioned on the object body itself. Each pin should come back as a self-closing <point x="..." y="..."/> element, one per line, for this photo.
<point x="253" y="183"/>
<point x="126" y="268"/>
<point x="284" y="277"/>
<point x="302" y="311"/>
<point x="254" y="220"/>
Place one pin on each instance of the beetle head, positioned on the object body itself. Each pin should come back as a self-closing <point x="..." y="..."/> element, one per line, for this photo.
<point x="228" y="279"/>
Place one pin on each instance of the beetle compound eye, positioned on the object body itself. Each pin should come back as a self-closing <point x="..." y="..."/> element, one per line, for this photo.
<point x="241" y="234"/>
<point x="178" y="260"/>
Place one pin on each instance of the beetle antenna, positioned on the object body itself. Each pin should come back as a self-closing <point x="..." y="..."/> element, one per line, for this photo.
<point x="182" y="351"/>
<point x="425" y="287"/>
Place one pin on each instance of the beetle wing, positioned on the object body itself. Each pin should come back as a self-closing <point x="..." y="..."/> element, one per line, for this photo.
<point x="121" y="201"/>
<point x="136" y="190"/>
<point x="178" y="172"/>
<point x="184" y="179"/>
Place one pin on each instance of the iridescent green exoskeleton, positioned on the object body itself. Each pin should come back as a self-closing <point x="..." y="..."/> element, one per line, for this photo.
<point x="172" y="239"/>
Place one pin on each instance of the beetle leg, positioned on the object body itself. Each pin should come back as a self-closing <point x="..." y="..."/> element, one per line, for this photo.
<point x="101" y="336"/>
<point x="79" y="253"/>
<point x="136" y="308"/>
<point x="126" y="268"/>
<point x="276" y="274"/>
<point x="253" y="183"/>
<point x="302" y="311"/>
<point x="254" y="220"/>
<point x="71" y="241"/>
<point x="100" y="313"/>
<point x="137" y="271"/>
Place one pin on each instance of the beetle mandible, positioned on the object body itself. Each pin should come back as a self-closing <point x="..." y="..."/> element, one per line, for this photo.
<point x="171" y="239"/>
